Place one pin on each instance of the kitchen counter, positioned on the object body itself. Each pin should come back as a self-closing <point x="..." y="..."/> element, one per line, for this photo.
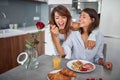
<point x="16" y="32"/>
<point x="30" y="29"/>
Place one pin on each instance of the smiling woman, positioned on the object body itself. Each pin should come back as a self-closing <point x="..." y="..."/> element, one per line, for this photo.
<point x="61" y="18"/>
<point x="60" y="21"/>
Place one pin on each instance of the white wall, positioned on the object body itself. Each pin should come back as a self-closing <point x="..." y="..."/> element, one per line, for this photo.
<point x="110" y="26"/>
<point x="110" y="23"/>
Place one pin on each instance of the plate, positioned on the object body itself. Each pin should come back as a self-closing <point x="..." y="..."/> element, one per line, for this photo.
<point x="70" y="64"/>
<point x="55" y="71"/>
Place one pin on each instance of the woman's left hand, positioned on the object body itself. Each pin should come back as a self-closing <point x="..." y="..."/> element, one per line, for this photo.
<point x="108" y="65"/>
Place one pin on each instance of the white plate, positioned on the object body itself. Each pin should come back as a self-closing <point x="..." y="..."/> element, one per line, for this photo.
<point x="69" y="65"/>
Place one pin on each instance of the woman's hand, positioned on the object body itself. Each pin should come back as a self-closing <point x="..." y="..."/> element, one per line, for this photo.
<point x="54" y="30"/>
<point x="91" y="44"/>
<point x="75" y="26"/>
<point x="108" y="65"/>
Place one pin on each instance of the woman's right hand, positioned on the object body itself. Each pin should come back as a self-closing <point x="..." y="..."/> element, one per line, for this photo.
<point x="75" y="26"/>
<point x="54" y="30"/>
<point x="91" y="44"/>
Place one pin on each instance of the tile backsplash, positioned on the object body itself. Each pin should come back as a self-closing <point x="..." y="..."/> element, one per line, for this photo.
<point x="21" y="11"/>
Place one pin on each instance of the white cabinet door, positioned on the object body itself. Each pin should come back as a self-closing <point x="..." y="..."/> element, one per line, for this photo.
<point x="59" y="2"/>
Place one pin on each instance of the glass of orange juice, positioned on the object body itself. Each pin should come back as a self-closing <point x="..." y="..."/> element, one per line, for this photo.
<point x="56" y="62"/>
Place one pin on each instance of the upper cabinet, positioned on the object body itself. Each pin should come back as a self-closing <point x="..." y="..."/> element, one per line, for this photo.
<point x="45" y="1"/>
<point x="50" y="2"/>
<point x="81" y="4"/>
<point x="41" y="0"/>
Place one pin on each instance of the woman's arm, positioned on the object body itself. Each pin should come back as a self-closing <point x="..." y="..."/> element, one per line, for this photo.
<point x="99" y="56"/>
<point x="54" y="33"/>
<point x="59" y="47"/>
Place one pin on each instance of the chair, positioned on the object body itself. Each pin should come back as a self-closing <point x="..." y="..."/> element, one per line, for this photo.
<point x="104" y="50"/>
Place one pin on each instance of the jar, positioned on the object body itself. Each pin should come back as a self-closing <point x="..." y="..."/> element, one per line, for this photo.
<point x="33" y="58"/>
<point x="29" y="59"/>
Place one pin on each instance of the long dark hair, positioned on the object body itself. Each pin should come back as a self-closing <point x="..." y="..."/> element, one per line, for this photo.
<point x="63" y="11"/>
<point x="93" y="14"/>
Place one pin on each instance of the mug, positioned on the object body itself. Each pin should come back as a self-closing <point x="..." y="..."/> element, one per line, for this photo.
<point x="11" y="26"/>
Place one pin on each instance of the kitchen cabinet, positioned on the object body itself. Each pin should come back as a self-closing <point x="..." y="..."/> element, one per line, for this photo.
<point x="11" y="47"/>
<point x="49" y="2"/>
<point x="40" y="0"/>
<point x="81" y="4"/>
<point x="52" y="2"/>
<point x="43" y="1"/>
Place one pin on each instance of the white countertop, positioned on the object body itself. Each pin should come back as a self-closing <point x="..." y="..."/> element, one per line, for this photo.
<point x="31" y="29"/>
<point x="16" y="32"/>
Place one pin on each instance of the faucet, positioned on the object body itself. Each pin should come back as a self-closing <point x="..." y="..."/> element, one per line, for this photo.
<point x="4" y="15"/>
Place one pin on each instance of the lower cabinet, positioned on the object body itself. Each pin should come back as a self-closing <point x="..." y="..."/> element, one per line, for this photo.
<point x="11" y="47"/>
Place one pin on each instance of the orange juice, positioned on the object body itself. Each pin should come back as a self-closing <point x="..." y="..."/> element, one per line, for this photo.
<point x="56" y="62"/>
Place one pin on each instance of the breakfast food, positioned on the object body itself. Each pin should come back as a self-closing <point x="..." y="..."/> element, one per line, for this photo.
<point x="64" y="74"/>
<point x="88" y="66"/>
<point x="77" y="65"/>
<point x="68" y="72"/>
<point x="58" y="76"/>
<point x="80" y="66"/>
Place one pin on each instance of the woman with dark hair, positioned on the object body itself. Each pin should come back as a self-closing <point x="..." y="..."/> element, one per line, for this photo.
<point x="76" y="43"/>
<point x="60" y="24"/>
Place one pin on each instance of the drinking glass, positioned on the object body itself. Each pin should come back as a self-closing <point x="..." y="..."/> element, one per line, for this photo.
<point x="56" y="62"/>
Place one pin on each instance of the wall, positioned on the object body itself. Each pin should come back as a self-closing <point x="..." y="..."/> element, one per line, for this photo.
<point x="20" y="11"/>
<point x="110" y="13"/>
<point x="110" y="26"/>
